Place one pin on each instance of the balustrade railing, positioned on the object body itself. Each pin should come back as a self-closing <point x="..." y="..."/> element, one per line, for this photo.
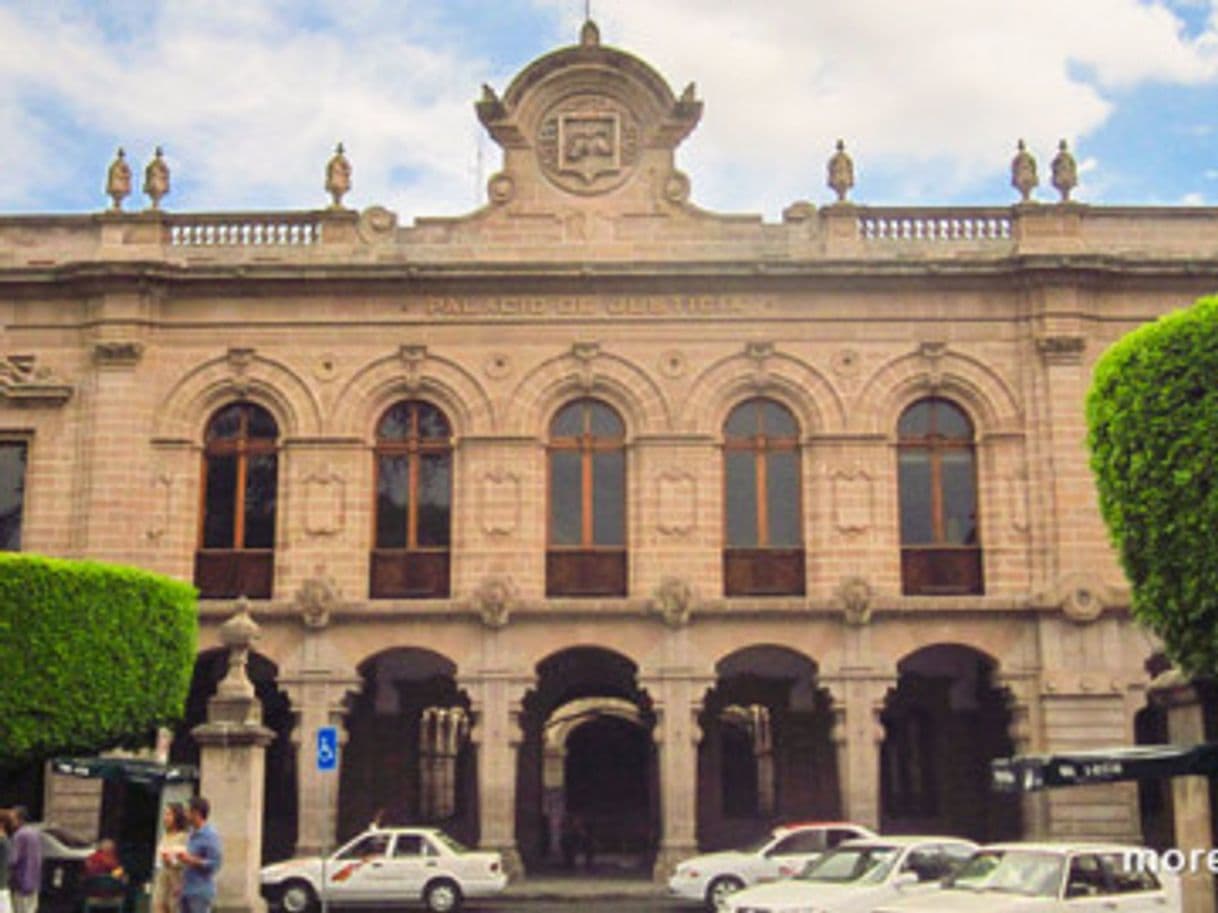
<point x="935" y="226"/>
<point x="290" y="230"/>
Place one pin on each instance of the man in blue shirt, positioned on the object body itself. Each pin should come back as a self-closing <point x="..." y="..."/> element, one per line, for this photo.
<point x="201" y="859"/>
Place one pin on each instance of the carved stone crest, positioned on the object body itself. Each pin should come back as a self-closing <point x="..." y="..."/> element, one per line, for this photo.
<point x="676" y="492"/>
<point x="673" y="601"/>
<point x="316" y="600"/>
<point x="1081" y="596"/>
<point x="494" y="600"/>
<point x="588" y="144"/>
<point x="854" y="597"/>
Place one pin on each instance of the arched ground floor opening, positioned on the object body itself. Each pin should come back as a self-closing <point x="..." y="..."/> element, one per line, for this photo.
<point x="766" y="755"/>
<point x="408" y="757"/>
<point x="943" y="724"/>
<point x="587" y="790"/>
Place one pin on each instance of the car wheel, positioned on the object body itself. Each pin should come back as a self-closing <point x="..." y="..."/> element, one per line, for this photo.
<point x="297" y="897"/>
<point x="719" y="890"/>
<point x="442" y="897"/>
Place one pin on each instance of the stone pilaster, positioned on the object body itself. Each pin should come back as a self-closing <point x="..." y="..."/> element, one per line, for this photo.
<point x="496" y="734"/>
<point x="1022" y="690"/>
<point x="858" y="701"/>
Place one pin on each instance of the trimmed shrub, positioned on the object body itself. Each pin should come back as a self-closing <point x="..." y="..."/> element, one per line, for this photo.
<point x="1152" y="413"/>
<point x="91" y="655"/>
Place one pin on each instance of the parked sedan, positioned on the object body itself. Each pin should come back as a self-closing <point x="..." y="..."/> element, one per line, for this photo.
<point x="783" y="852"/>
<point x="1049" y="878"/>
<point x="386" y="867"/>
<point x="858" y="875"/>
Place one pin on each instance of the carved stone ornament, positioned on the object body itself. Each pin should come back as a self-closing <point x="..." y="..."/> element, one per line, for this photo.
<point x="324" y="503"/>
<point x="494" y="600"/>
<point x="846" y="363"/>
<point x="162" y="507"/>
<point x="500" y="502"/>
<point x="498" y="365"/>
<point x="376" y="225"/>
<point x="338" y="177"/>
<point x="1065" y="172"/>
<point x="588" y="144"/>
<point x="1023" y="172"/>
<point x="852" y="493"/>
<point x="1061" y="350"/>
<point x="501" y="188"/>
<point x="673" y="601"/>
<point x="841" y="172"/>
<point x="853" y="597"/>
<point x="239" y="359"/>
<point x="23" y="382"/>
<point x="676" y="495"/>
<point x="673" y="363"/>
<point x="118" y="180"/>
<point x="156" y="179"/>
<point x="118" y="354"/>
<point x="677" y="187"/>
<point x="1082" y="597"/>
<point x="316" y="600"/>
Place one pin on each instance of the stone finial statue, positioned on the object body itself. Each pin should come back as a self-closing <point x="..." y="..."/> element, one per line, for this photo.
<point x="156" y="179"/>
<point x="589" y="35"/>
<point x="338" y="177"/>
<point x="1065" y="171"/>
<point x="841" y="172"/>
<point x="1023" y="173"/>
<point x="118" y="180"/>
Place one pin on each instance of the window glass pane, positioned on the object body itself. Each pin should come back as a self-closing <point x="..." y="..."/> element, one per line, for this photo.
<point x="392" y="500"/>
<point x="566" y="502"/>
<point x="915" y="421"/>
<point x="609" y="498"/>
<point x="432" y="423"/>
<point x="951" y="422"/>
<point x="779" y="422"/>
<point x="395" y="423"/>
<point x="742" y="423"/>
<point x="604" y="422"/>
<point x="12" y="494"/>
<point x="435" y="498"/>
<point x="220" y="517"/>
<point x="226" y="423"/>
<point x="569" y="422"/>
<point x="740" y="497"/>
<point x="261" y="425"/>
<point x="782" y="498"/>
<point x="959" y="497"/>
<point x="914" y="482"/>
<point x="260" y="478"/>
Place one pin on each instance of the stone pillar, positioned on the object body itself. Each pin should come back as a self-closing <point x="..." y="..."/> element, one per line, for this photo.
<point x="1023" y="702"/>
<point x="763" y="752"/>
<point x="677" y="701"/>
<point x="1190" y="795"/>
<point x="232" y="759"/>
<point x="496" y="733"/>
<point x="858" y="701"/>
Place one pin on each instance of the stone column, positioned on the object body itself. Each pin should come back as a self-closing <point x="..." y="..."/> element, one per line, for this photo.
<point x="1023" y="701"/>
<point x="496" y="733"/>
<point x="763" y="753"/>
<point x="1190" y="795"/>
<point x="858" y="701"/>
<point x="232" y="759"/>
<point x="677" y="701"/>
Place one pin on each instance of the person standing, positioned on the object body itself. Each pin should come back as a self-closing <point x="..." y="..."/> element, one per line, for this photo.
<point x="25" y="863"/>
<point x="167" y="882"/>
<point x="201" y="859"/>
<point x="6" y="831"/>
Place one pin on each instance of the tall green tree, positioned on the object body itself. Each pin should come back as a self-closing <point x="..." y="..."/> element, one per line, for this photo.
<point x="91" y="655"/>
<point x="1152" y="413"/>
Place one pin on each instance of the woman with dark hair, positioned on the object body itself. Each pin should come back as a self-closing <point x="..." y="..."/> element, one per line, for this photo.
<point x="167" y="882"/>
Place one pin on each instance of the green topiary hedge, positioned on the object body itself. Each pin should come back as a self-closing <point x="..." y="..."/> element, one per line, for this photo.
<point x="1153" y="417"/>
<point x="91" y="655"/>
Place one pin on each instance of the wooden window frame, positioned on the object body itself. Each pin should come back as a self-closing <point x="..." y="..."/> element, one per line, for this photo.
<point x="423" y="571"/>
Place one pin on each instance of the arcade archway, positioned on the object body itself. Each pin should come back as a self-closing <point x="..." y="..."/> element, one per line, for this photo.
<point x="587" y="785"/>
<point x="408" y="757"/>
<point x="766" y="754"/>
<point x="943" y="724"/>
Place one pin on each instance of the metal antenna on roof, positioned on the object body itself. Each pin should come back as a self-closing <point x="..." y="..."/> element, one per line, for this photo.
<point x="587" y="10"/>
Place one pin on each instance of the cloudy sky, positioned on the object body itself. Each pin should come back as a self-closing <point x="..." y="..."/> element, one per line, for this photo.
<point x="249" y="96"/>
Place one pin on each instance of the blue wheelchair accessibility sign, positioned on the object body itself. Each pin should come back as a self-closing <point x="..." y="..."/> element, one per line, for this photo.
<point x="327" y="748"/>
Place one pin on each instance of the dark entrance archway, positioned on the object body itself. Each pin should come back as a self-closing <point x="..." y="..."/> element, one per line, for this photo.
<point x="766" y="754"/>
<point x="943" y="724"/>
<point x="587" y="779"/>
<point x="408" y="757"/>
<point x="279" y="811"/>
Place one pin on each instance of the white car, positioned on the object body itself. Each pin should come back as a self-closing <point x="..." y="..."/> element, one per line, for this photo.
<point x="1049" y="878"/>
<point x="385" y="867"/>
<point x="786" y="850"/>
<point x="859" y="874"/>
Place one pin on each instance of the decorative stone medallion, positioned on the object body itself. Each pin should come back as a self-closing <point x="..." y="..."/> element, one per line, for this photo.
<point x="588" y="144"/>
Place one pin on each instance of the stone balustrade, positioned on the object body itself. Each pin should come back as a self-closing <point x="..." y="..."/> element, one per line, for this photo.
<point x="238" y="230"/>
<point x="935" y="225"/>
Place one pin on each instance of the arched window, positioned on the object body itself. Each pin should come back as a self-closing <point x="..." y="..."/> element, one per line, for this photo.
<point x="240" y="481"/>
<point x="587" y="495"/>
<point x="763" y="534"/>
<point x="414" y="469"/>
<point x="937" y="478"/>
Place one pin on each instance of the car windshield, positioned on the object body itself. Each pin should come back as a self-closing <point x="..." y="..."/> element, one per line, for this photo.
<point x="862" y="864"/>
<point x="1027" y="872"/>
<point x="455" y="845"/>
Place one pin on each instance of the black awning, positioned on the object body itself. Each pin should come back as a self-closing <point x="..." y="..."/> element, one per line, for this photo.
<point x="1026" y="773"/>
<point x="126" y="770"/>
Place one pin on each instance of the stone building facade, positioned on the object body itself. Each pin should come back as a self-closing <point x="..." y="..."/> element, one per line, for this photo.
<point x="593" y="509"/>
